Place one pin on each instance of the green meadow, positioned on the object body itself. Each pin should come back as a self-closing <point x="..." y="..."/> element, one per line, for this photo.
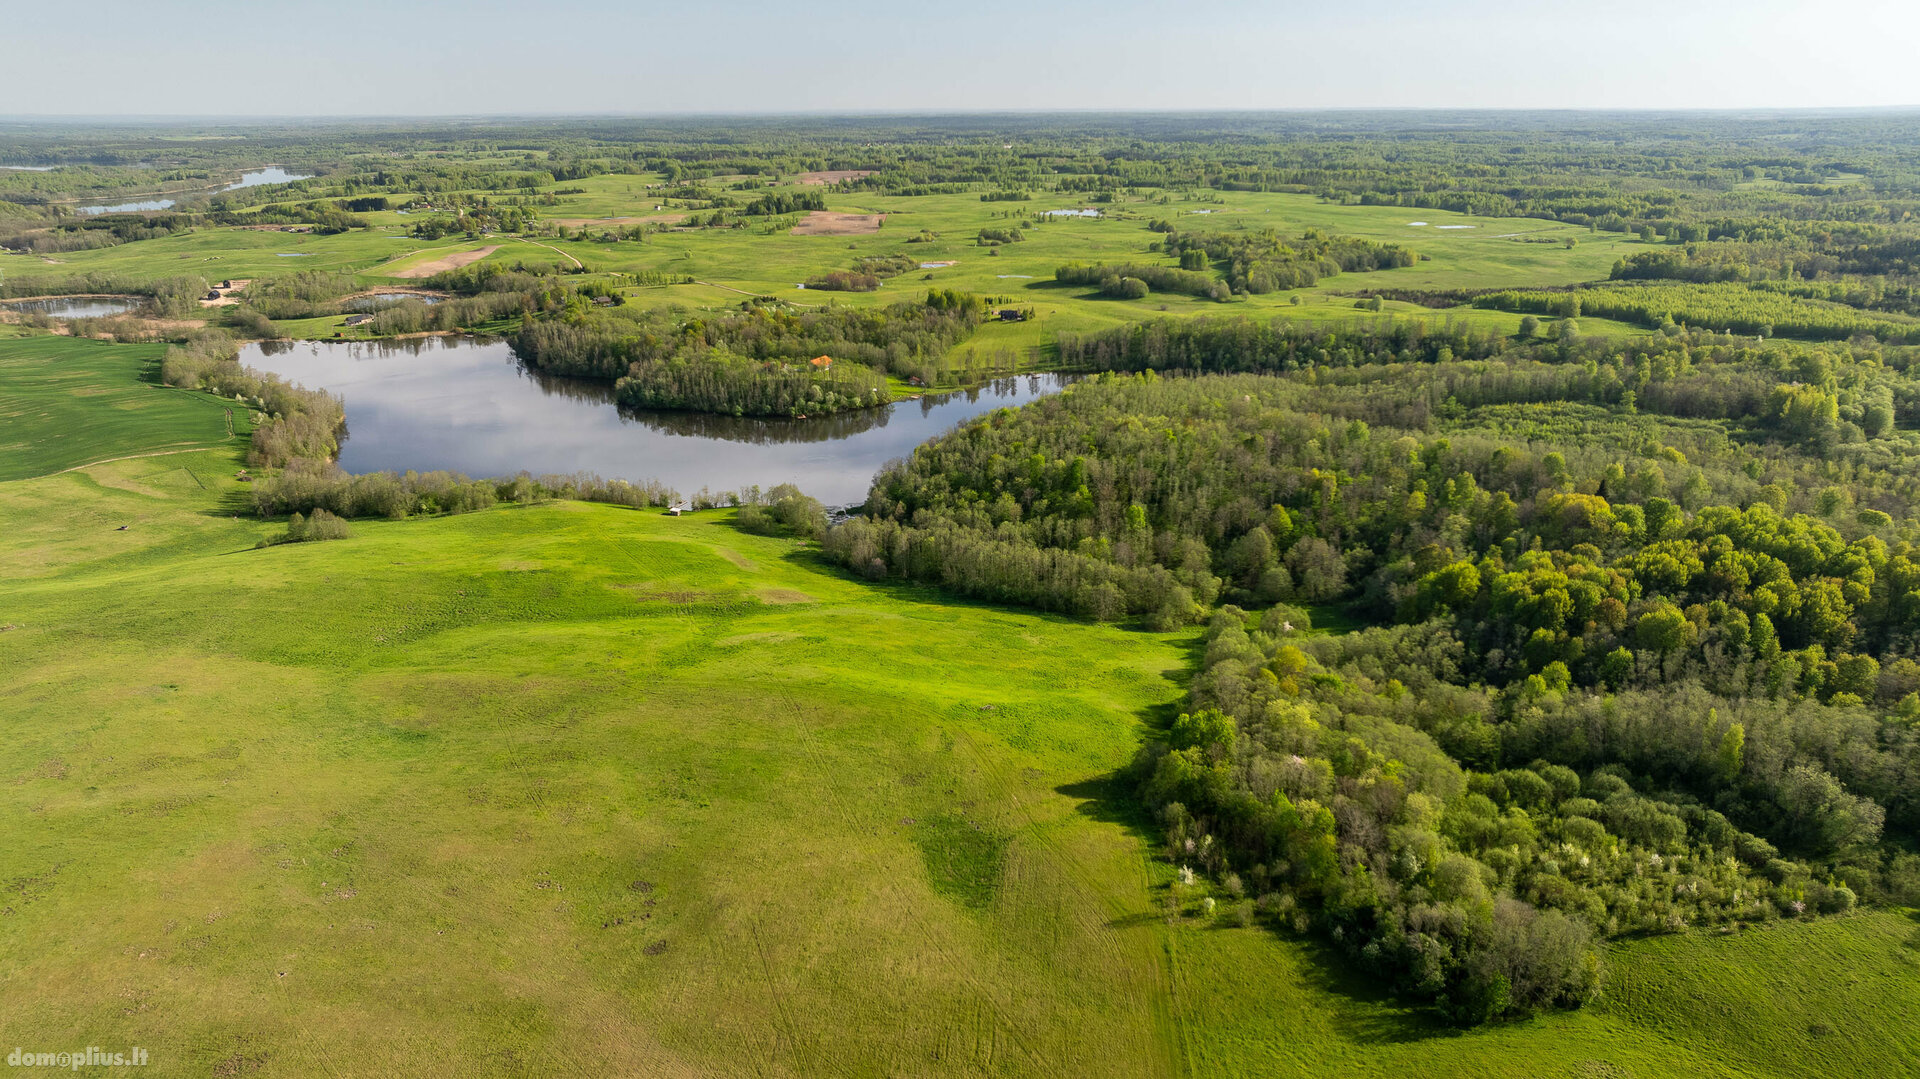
<point x="65" y="402"/>
<point x="765" y="259"/>
<point x="577" y="789"/>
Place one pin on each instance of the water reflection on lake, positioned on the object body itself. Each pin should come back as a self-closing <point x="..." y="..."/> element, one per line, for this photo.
<point x="472" y="406"/>
<point x="273" y="174"/>
<point x="126" y="207"/>
<point x="379" y="300"/>
<point x="73" y="306"/>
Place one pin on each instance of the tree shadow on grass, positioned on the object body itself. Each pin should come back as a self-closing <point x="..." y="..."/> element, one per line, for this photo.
<point x="1367" y="1013"/>
<point x="1370" y="1014"/>
<point x="233" y="502"/>
<point x="899" y="590"/>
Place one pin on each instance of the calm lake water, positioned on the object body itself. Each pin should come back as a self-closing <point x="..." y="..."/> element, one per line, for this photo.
<point x="261" y="177"/>
<point x="126" y="207"/>
<point x="73" y="306"/>
<point x="472" y="406"/>
<point x="253" y="178"/>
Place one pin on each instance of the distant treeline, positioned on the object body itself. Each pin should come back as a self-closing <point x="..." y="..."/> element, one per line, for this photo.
<point x="786" y="202"/>
<point x="309" y="485"/>
<point x="1732" y="307"/>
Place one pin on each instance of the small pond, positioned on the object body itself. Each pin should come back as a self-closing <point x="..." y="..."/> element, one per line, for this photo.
<point x="126" y="207"/>
<point x="262" y="177"/>
<point x="74" y="306"/>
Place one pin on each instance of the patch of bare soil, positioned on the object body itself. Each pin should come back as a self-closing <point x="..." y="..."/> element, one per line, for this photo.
<point x="828" y="223"/>
<point x="736" y="558"/>
<point x="447" y="262"/>
<point x="227" y="297"/>
<point x="834" y="176"/>
<point x="783" y="596"/>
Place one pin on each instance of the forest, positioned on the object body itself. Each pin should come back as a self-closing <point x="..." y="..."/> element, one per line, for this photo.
<point x="758" y="360"/>
<point x="1642" y="652"/>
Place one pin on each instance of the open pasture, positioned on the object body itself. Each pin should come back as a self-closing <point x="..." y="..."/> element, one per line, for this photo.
<point x="1460" y="251"/>
<point x="65" y="403"/>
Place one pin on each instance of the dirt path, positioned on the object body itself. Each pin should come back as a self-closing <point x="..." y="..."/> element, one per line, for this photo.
<point x="195" y="448"/>
<point x="556" y="251"/>
<point x="833" y="176"/>
<point x="447" y="262"/>
<point x="744" y="292"/>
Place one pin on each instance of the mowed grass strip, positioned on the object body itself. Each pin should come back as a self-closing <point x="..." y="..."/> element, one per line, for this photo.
<point x="67" y="402"/>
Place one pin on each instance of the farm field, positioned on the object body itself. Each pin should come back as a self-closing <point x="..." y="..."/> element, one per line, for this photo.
<point x="571" y="786"/>
<point x="67" y="402"/>
<point x="1462" y="252"/>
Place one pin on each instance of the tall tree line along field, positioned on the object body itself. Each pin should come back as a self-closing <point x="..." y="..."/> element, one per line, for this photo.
<point x="1460" y="622"/>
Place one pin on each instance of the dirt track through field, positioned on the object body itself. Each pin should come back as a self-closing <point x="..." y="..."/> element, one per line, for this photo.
<point x="834" y="176"/>
<point x="447" y="262"/>
<point x="556" y="251"/>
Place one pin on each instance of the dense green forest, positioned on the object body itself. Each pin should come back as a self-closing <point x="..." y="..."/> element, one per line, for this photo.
<point x="1644" y="652"/>
<point x="758" y="360"/>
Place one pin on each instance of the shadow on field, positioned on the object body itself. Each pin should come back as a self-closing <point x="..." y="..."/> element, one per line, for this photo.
<point x="1370" y="1015"/>
<point x="231" y="503"/>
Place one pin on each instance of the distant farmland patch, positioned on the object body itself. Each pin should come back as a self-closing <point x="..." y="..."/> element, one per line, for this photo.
<point x="834" y="176"/>
<point x="828" y="223"/>
<point x="446" y="262"/>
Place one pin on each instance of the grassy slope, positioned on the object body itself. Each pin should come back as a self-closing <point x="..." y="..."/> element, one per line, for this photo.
<point x="420" y="772"/>
<point x="1829" y="998"/>
<point x="65" y="402"/>
<point x="394" y="795"/>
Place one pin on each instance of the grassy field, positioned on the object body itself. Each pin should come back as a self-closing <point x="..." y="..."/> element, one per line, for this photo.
<point x="65" y="402"/>
<point x="764" y="259"/>
<point x="572" y="788"/>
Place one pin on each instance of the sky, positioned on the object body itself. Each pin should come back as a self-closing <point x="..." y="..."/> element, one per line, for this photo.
<point x="487" y="57"/>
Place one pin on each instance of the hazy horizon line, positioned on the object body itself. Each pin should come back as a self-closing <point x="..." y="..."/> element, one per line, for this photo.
<point x="1724" y="110"/>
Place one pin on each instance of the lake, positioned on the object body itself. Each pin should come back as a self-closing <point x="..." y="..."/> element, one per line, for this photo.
<point x="74" y="306"/>
<point x="126" y="207"/>
<point x="470" y="405"/>
<point x="271" y="175"/>
<point x="253" y="178"/>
